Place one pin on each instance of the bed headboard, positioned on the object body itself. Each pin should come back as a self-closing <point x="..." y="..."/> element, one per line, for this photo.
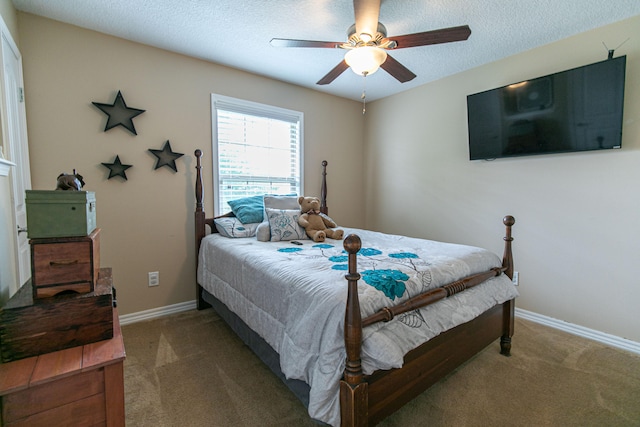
<point x="201" y="220"/>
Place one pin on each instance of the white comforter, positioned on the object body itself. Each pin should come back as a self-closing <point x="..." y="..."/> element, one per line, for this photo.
<point x="294" y="298"/>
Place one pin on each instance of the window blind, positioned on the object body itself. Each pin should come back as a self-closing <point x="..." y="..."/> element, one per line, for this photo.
<point x="258" y="150"/>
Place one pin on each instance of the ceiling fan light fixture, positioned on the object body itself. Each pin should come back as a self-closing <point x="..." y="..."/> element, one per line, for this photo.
<point x="365" y="60"/>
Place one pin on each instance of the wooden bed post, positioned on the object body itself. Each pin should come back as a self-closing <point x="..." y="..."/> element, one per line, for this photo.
<point x="353" y="389"/>
<point x="323" y="189"/>
<point x="199" y="215"/>
<point x="507" y="258"/>
<point x="508" y="313"/>
<point x="199" y="225"/>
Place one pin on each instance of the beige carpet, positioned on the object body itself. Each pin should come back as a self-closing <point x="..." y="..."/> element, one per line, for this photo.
<point x="189" y="369"/>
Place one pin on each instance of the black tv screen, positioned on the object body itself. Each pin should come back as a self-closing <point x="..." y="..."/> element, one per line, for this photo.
<point x="574" y="110"/>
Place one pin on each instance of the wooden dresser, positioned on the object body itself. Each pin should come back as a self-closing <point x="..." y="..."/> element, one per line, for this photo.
<point x="78" y="386"/>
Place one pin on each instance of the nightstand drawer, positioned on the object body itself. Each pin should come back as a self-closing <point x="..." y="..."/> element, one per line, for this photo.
<point x="65" y="264"/>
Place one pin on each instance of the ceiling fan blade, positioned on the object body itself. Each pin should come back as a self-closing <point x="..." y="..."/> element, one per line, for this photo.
<point x="333" y="74"/>
<point x="444" y="35"/>
<point x="366" y="13"/>
<point x="303" y="43"/>
<point x="397" y="70"/>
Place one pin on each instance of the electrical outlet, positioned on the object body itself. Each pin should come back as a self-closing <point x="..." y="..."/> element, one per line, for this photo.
<point x="154" y="278"/>
<point x="515" y="278"/>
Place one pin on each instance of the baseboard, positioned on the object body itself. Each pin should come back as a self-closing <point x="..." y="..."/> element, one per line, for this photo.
<point x="581" y="331"/>
<point x="154" y="313"/>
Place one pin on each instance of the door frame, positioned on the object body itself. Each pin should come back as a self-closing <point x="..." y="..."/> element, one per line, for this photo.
<point x="16" y="149"/>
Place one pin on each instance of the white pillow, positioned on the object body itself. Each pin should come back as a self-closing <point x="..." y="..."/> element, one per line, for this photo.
<point x="263" y="233"/>
<point x="290" y="202"/>
<point x="281" y="202"/>
<point x="283" y="224"/>
<point x="233" y="227"/>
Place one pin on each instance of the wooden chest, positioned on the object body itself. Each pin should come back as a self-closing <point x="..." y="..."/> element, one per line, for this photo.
<point x="30" y="326"/>
<point x="65" y="264"/>
<point x="78" y="386"/>
<point x="60" y="213"/>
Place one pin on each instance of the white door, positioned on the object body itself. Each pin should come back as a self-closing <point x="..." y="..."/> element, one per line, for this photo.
<point x="14" y="137"/>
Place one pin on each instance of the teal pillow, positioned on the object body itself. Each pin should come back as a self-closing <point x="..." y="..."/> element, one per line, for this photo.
<point x="248" y="210"/>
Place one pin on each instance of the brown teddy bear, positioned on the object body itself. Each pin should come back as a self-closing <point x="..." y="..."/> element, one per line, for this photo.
<point x="317" y="225"/>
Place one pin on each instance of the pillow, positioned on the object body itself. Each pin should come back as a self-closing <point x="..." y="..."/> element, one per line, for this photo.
<point x="248" y="210"/>
<point x="263" y="234"/>
<point x="290" y="201"/>
<point x="233" y="227"/>
<point x="283" y="224"/>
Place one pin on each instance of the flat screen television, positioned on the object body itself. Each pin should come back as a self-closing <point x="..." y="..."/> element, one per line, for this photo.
<point x="575" y="110"/>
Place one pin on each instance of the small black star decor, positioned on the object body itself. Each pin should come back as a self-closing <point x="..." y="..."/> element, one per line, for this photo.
<point x="119" y="114"/>
<point x="117" y="168"/>
<point x="166" y="157"/>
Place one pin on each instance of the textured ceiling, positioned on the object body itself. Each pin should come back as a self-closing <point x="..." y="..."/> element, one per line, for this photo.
<point x="236" y="33"/>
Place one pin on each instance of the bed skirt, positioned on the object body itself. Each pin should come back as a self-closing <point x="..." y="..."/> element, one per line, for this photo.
<point x="260" y="347"/>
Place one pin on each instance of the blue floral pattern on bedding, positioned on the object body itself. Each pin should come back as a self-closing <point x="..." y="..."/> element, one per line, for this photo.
<point x="323" y="246"/>
<point x="392" y="282"/>
<point x="289" y="249"/>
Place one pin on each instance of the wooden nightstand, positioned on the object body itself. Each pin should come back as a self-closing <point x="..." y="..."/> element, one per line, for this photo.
<point x="78" y="386"/>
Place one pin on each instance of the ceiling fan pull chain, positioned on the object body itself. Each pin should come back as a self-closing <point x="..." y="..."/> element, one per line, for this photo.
<point x="364" y="92"/>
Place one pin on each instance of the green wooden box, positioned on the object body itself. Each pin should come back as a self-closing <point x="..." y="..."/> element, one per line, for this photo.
<point x="59" y="213"/>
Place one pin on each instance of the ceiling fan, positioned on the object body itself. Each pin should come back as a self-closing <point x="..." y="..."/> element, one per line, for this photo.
<point x="368" y="44"/>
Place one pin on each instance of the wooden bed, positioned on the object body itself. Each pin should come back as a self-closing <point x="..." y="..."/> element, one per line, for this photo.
<point x="365" y="400"/>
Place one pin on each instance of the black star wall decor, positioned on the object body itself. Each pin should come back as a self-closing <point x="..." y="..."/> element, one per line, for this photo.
<point x="119" y="114"/>
<point x="166" y="157"/>
<point x="117" y="168"/>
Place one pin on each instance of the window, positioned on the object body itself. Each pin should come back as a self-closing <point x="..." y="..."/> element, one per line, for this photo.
<point x="257" y="149"/>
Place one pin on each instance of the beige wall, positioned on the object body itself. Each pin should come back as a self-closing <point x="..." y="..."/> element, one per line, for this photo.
<point x="577" y="232"/>
<point x="8" y="273"/>
<point x="147" y="221"/>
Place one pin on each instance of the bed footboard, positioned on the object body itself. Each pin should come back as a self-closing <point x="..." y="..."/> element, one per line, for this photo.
<point x="509" y="306"/>
<point x="366" y="400"/>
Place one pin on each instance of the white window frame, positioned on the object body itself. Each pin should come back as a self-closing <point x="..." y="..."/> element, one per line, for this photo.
<point x="257" y="109"/>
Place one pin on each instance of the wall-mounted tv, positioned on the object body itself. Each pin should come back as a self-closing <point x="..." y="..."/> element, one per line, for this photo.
<point x="574" y="110"/>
